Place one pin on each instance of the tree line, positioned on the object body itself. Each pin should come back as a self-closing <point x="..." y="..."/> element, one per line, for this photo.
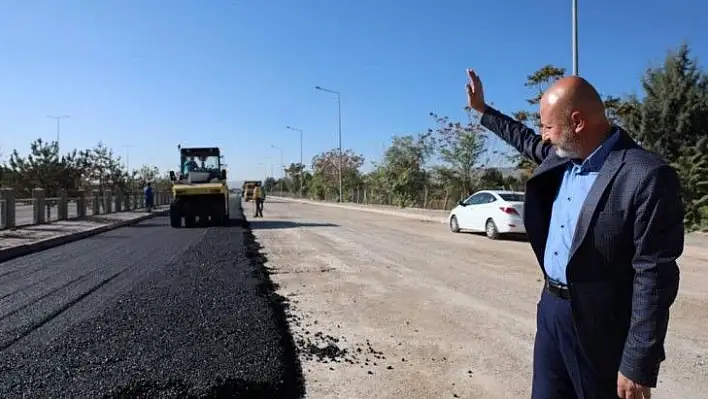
<point x="97" y="168"/>
<point x="436" y="168"/>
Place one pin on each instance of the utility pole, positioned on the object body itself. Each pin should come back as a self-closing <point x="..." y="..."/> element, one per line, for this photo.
<point x="302" y="171"/>
<point x="339" y="119"/>
<point x="58" y="118"/>
<point x="126" y="148"/>
<point x="282" y="167"/>
<point x="575" y="37"/>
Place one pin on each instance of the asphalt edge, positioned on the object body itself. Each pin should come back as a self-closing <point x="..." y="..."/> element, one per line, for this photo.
<point x="292" y="383"/>
<point x="39" y="246"/>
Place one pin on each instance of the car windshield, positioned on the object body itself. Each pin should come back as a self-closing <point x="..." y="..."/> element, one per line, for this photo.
<point x="512" y="197"/>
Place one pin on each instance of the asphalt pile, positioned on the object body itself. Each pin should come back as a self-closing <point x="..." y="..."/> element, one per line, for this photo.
<point x="206" y="325"/>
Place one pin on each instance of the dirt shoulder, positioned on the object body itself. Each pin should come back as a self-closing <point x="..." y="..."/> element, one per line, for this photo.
<point x="440" y="216"/>
<point x="409" y="309"/>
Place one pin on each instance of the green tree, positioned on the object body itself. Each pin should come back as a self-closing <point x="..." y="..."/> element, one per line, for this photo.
<point x="539" y="82"/>
<point x="295" y="172"/>
<point x="692" y="168"/>
<point x="103" y="169"/>
<point x="672" y="120"/>
<point x="492" y="178"/>
<point x="673" y="114"/>
<point x="325" y="166"/>
<point x="44" y="168"/>
<point x="269" y="184"/>
<point x="460" y="147"/>
<point x="403" y="167"/>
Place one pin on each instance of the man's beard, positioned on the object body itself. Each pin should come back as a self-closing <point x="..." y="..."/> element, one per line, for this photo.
<point x="568" y="145"/>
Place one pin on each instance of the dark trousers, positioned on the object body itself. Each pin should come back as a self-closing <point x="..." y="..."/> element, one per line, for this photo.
<point x="259" y="207"/>
<point x="560" y="367"/>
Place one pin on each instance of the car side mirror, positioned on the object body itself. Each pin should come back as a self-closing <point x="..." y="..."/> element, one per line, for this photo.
<point x="461" y="203"/>
<point x="172" y="175"/>
<point x="223" y="174"/>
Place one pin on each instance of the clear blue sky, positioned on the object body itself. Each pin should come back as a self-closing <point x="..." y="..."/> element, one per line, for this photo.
<point x="143" y="76"/>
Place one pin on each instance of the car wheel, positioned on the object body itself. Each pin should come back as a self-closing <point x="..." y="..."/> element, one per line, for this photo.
<point x="491" y="230"/>
<point x="454" y="226"/>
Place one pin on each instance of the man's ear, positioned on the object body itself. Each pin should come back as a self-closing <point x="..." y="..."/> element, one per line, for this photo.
<point x="577" y="121"/>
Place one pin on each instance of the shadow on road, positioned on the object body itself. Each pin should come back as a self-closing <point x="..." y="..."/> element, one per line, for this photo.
<point x="506" y="237"/>
<point x="151" y="224"/>
<point x="109" y="237"/>
<point x="283" y="224"/>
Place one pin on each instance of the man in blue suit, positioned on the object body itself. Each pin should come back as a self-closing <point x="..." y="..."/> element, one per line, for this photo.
<point x="605" y="220"/>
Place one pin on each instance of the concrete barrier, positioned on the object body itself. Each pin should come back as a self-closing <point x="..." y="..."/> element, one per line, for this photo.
<point x="39" y="209"/>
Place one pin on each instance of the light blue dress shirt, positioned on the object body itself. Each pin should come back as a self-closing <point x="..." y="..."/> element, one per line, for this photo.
<point x="577" y="181"/>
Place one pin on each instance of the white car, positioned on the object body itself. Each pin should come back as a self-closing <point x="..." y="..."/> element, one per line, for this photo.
<point x="491" y="211"/>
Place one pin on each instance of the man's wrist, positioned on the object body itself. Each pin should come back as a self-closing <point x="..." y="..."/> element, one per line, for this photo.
<point x="482" y="109"/>
<point x="640" y="374"/>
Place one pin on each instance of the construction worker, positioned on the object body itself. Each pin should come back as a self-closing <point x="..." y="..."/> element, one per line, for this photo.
<point x="259" y="198"/>
<point x="149" y="197"/>
<point x="190" y="165"/>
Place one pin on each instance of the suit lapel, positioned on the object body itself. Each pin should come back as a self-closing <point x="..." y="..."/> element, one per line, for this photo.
<point x="553" y="161"/>
<point x="612" y="165"/>
<point x="540" y="190"/>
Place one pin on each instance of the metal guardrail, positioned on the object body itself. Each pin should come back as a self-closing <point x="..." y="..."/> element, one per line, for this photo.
<point x="19" y="212"/>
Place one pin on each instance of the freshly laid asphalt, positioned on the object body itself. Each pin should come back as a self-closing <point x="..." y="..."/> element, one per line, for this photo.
<point x="146" y="311"/>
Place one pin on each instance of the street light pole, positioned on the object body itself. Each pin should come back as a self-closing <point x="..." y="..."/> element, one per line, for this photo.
<point x="302" y="165"/>
<point x="127" y="147"/>
<point x="339" y="122"/>
<point x="575" y="37"/>
<point x="282" y="167"/>
<point x="265" y="171"/>
<point x="58" y="118"/>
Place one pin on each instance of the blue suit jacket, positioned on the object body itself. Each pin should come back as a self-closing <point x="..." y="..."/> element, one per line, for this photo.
<point x="622" y="270"/>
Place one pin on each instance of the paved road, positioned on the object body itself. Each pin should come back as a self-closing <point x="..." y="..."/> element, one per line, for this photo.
<point x="434" y="313"/>
<point x="144" y="311"/>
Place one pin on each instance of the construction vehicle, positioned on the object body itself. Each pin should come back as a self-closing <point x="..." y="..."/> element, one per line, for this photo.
<point x="248" y="189"/>
<point x="199" y="189"/>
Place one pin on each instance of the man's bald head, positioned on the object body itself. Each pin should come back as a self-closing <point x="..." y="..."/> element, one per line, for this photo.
<point x="573" y="117"/>
<point x="574" y="93"/>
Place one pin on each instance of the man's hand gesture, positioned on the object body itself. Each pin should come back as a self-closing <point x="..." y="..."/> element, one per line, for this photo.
<point x="475" y="93"/>
<point x="628" y="389"/>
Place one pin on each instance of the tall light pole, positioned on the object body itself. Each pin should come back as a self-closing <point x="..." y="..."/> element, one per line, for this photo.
<point x="302" y="165"/>
<point x="58" y="118"/>
<point x="126" y="148"/>
<point x="282" y="166"/>
<point x="299" y="131"/>
<point x="575" y="37"/>
<point x="265" y="171"/>
<point x="339" y="118"/>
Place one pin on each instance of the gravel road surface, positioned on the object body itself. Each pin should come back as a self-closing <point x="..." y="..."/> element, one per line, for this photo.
<point x="145" y="311"/>
<point x="388" y="307"/>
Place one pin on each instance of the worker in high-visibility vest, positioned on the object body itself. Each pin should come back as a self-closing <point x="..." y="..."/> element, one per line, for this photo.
<point x="259" y="198"/>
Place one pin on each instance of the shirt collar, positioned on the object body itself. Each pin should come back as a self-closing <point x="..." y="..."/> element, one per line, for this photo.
<point x="597" y="158"/>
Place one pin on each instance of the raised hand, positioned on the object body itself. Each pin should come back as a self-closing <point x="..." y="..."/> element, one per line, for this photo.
<point x="475" y="93"/>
